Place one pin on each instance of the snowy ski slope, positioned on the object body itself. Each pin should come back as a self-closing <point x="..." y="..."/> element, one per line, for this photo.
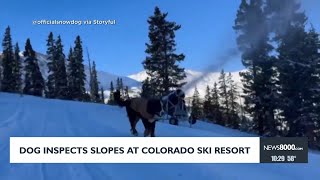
<point x="32" y="116"/>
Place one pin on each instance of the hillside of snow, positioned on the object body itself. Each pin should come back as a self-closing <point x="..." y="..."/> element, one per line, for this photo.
<point x="196" y="79"/>
<point x="34" y="116"/>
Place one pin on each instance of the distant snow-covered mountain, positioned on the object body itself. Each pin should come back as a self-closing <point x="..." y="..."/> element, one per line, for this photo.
<point x="196" y="79"/>
<point x="103" y="77"/>
<point x="134" y="81"/>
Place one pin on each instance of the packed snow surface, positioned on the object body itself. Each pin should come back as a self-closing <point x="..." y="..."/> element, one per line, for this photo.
<point x="33" y="116"/>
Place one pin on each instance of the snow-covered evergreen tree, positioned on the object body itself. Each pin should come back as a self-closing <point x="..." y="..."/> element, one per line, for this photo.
<point x="147" y="90"/>
<point x="259" y="87"/>
<point x="317" y="100"/>
<point x="102" y="95"/>
<point x="294" y="63"/>
<point x="312" y="105"/>
<point x="161" y="62"/>
<point x="118" y="86"/>
<point x="78" y="55"/>
<point x="8" y="81"/>
<point x="52" y="67"/>
<point x="126" y="92"/>
<point x="71" y="74"/>
<point x="94" y="86"/>
<point x="121" y="86"/>
<point x="207" y="104"/>
<point x="34" y="82"/>
<point x="77" y="76"/>
<point x="60" y="78"/>
<point x="196" y="109"/>
<point x="234" y="119"/>
<point x="111" y="98"/>
<point x="17" y="70"/>
<point x="223" y="94"/>
<point x="215" y="108"/>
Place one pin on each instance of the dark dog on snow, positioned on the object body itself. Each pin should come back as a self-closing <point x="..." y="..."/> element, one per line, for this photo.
<point x="148" y="110"/>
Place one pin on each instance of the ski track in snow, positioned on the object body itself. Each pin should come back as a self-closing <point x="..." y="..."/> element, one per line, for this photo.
<point x="33" y="116"/>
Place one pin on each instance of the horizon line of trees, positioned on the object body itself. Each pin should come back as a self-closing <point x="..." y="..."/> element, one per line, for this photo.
<point x="220" y="103"/>
<point x="124" y="91"/>
<point x="66" y="78"/>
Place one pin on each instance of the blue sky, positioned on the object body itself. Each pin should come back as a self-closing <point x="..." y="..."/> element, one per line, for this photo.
<point x="205" y="35"/>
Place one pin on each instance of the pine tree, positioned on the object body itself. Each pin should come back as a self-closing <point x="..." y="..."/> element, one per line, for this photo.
<point x="207" y="104"/>
<point x="161" y="62"/>
<point x="196" y="109"/>
<point x="294" y="63"/>
<point x="102" y="95"/>
<point x="317" y="100"/>
<point x="34" y="82"/>
<point x="52" y="67"/>
<point x="71" y="74"/>
<point x="223" y="93"/>
<point x="17" y="68"/>
<point x="111" y="99"/>
<point x="259" y="87"/>
<point x="60" y="78"/>
<point x="77" y="76"/>
<point x="8" y="81"/>
<point x="91" y="81"/>
<point x="312" y="104"/>
<point x="234" y="119"/>
<point x="118" y="85"/>
<point x="126" y="92"/>
<point x="121" y="87"/>
<point x="94" y="86"/>
<point x="215" y="107"/>
<point x="147" y="90"/>
<point x="78" y="54"/>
